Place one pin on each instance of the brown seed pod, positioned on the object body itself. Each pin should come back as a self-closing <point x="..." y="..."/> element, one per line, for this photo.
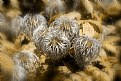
<point x="69" y="26"/>
<point x="91" y="28"/>
<point x="55" y="44"/>
<point x="28" y="60"/>
<point x="86" y="50"/>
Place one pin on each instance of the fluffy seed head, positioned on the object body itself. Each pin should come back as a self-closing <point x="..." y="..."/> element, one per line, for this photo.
<point x="28" y="60"/>
<point x="86" y="49"/>
<point x="55" y="44"/>
<point x="31" y="22"/>
<point x="38" y="35"/>
<point x="69" y="26"/>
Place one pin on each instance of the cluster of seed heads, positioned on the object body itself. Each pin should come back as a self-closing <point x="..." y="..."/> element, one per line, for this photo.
<point x="60" y="36"/>
<point x="54" y="40"/>
<point x="57" y="39"/>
